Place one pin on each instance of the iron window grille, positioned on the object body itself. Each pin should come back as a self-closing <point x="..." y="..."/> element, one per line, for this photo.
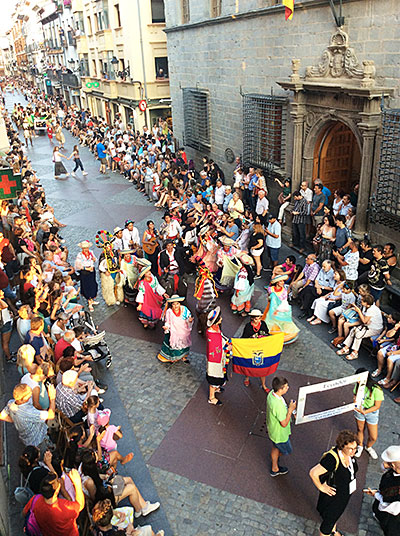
<point x="197" y="119"/>
<point x="185" y="11"/>
<point x="385" y="205"/>
<point x="264" y="131"/>
<point x="216" y="6"/>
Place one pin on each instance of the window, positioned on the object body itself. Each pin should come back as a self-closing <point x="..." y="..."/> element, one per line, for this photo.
<point x="84" y="65"/>
<point x="89" y="25"/>
<point x="196" y="118"/>
<point x="185" y="11"/>
<point x="157" y="11"/>
<point x="94" y="65"/>
<point x="161" y="68"/>
<point x="117" y="16"/>
<point x="216" y="8"/>
<point x="385" y="206"/>
<point x="79" y="23"/>
<point x="264" y="131"/>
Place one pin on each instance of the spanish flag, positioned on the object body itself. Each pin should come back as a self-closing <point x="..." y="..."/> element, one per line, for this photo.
<point x="257" y="357"/>
<point x="289" y="8"/>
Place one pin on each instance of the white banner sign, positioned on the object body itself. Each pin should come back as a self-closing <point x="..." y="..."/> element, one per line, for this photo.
<point x="361" y="379"/>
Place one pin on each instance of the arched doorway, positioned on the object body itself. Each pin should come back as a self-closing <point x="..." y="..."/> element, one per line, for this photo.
<point x="337" y="157"/>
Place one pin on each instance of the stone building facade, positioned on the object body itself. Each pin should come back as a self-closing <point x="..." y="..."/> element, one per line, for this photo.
<point x="300" y="98"/>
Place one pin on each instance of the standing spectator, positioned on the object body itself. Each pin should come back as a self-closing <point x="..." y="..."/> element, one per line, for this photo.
<point x="306" y="277"/>
<point x="278" y="424"/>
<point x="273" y="239"/>
<point x="299" y="220"/>
<point x="346" y="205"/>
<point x="388" y="253"/>
<point x="54" y="516"/>
<point x="386" y="507"/>
<point x="256" y="245"/>
<point x="365" y="261"/>
<point x="335" y="478"/>
<point x="379" y="274"/>
<point x="102" y="155"/>
<point x="236" y="208"/>
<point x="283" y="198"/>
<point x="349" y="263"/>
<point x="262" y="206"/>
<point x="368" y="414"/>
<point x="219" y="193"/>
<point x="228" y="197"/>
<point x="317" y="205"/>
<point x="327" y="193"/>
<point x="342" y="237"/>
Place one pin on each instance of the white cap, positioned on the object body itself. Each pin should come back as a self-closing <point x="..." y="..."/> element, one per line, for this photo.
<point x="391" y="454"/>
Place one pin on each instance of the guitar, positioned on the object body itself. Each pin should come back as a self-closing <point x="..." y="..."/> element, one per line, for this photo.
<point x="149" y="245"/>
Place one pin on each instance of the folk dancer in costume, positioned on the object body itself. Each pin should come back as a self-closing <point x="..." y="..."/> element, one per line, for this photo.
<point x="130" y="235"/>
<point x="149" y="297"/>
<point x="227" y="266"/>
<point x="255" y="329"/>
<point x="129" y="267"/>
<point x="243" y="286"/>
<point x="217" y="360"/>
<point x="278" y="313"/>
<point x="109" y="268"/>
<point x="177" y="327"/>
<point x="206" y="296"/>
<point x="85" y="265"/>
<point x="118" y="245"/>
<point x="207" y="249"/>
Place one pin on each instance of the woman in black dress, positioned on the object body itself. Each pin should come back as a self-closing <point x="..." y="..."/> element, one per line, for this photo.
<point x="335" y="478"/>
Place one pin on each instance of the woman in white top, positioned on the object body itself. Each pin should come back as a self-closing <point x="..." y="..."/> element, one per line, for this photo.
<point x="85" y="265"/>
<point x="5" y="328"/>
<point x="59" y="168"/>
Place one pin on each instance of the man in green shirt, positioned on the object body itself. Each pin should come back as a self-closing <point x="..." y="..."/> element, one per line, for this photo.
<point x="278" y="423"/>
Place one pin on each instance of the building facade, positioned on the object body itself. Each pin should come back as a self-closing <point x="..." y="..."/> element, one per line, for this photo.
<point x="123" y="57"/>
<point x="299" y="98"/>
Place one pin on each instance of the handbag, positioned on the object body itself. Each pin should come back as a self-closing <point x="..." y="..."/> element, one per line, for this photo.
<point x="23" y="494"/>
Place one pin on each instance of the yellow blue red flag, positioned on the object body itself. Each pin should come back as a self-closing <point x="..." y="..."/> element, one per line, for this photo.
<point x="257" y="357"/>
<point x="289" y="8"/>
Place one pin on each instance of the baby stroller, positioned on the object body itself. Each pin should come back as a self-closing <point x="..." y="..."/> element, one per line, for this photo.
<point x="94" y="343"/>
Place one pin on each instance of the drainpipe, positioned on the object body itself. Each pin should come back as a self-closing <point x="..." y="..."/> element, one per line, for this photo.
<point x="147" y="122"/>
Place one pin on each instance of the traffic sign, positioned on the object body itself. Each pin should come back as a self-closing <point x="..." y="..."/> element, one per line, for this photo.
<point x="142" y="105"/>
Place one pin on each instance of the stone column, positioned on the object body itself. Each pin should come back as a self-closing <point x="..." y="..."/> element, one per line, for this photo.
<point x="367" y="162"/>
<point x="298" y="122"/>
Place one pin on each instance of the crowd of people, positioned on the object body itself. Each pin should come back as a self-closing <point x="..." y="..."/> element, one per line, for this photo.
<point x="227" y="236"/>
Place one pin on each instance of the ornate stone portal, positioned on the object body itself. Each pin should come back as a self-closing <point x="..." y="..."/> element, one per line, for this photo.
<point x="337" y="88"/>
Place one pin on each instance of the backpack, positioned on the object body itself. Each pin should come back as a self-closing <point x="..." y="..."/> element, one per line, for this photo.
<point x="31" y="526"/>
<point x="329" y="477"/>
<point x="24" y="494"/>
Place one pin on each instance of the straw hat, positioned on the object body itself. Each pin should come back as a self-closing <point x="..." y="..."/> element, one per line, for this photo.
<point x="175" y="298"/>
<point x="142" y="261"/>
<point x="245" y="258"/>
<point x="213" y="316"/>
<point x="391" y="454"/>
<point x="117" y="230"/>
<point x="204" y="230"/>
<point x="277" y="278"/>
<point x="85" y="244"/>
<point x="127" y="251"/>
<point x="144" y="271"/>
<point x="226" y="241"/>
<point x="255" y="312"/>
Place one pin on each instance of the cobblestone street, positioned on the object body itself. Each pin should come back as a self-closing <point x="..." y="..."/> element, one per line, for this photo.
<point x="154" y="395"/>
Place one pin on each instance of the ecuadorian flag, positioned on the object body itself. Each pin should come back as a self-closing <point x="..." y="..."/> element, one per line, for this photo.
<point x="257" y="357"/>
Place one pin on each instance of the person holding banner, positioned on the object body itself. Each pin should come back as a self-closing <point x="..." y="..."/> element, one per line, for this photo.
<point x="335" y="478"/>
<point x="279" y="415"/>
<point x="255" y="329"/>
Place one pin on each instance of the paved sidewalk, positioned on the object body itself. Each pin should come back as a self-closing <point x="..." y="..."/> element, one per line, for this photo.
<point x="149" y="396"/>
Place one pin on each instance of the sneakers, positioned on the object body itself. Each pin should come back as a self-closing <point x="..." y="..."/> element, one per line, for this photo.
<point x="150" y="507"/>
<point x="257" y="277"/>
<point x="358" y="453"/>
<point x="160" y="533"/>
<point x="73" y="174"/>
<point x="372" y="452"/>
<point x="84" y="173"/>
<point x="281" y="471"/>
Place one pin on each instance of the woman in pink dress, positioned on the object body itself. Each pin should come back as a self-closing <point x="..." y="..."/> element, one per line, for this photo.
<point x="216" y="356"/>
<point x="150" y="297"/>
<point x="178" y="326"/>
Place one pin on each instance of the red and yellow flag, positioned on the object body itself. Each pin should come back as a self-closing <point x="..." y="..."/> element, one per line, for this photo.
<point x="289" y="8"/>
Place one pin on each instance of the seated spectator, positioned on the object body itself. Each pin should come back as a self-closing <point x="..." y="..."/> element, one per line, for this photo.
<point x="68" y="400"/>
<point x="306" y="277"/>
<point x="58" y="329"/>
<point x="63" y="342"/>
<point x="323" y="284"/>
<point x="287" y="268"/>
<point x="109" y="520"/>
<point x="322" y="305"/>
<point x="26" y="359"/>
<point x="389" y="350"/>
<point x="36" y="381"/>
<point x="55" y="516"/>
<point x="390" y="256"/>
<point x="24" y="321"/>
<point x="36" y="338"/>
<point x="371" y="324"/>
<point x="6" y="329"/>
<point x="29" y="421"/>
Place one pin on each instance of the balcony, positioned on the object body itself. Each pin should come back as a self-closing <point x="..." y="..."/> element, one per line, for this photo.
<point x="81" y="44"/>
<point x="105" y="40"/>
<point x="70" y="80"/>
<point x="53" y="47"/>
